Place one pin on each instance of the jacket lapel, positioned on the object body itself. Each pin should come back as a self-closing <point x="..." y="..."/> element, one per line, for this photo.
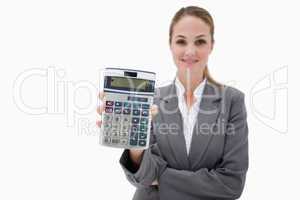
<point x="174" y="138"/>
<point x="207" y="116"/>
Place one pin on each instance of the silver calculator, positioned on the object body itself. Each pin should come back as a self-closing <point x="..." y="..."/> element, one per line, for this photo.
<point x="126" y="119"/>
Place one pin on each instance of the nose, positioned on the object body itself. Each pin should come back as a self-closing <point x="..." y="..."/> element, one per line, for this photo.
<point x="190" y="51"/>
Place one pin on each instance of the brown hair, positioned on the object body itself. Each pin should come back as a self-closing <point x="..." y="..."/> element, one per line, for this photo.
<point x="203" y="15"/>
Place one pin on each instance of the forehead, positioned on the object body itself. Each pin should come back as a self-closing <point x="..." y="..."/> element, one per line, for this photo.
<point x="190" y="25"/>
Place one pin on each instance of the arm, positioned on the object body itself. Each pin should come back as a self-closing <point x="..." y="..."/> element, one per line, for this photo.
<point x="227" y="180"/>
<point x="150" y="167"/>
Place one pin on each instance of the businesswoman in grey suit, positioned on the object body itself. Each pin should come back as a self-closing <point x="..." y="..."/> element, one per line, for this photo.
<point x="199" y="136"/>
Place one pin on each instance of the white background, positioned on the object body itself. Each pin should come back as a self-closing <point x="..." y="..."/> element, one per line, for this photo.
<point x="55" y="153"/>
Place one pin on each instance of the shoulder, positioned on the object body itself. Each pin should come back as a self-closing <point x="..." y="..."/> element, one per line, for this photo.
<point x="232" y="93"/>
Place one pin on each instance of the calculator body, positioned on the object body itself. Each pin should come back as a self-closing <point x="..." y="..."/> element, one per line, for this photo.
<point x="126" y="119"/>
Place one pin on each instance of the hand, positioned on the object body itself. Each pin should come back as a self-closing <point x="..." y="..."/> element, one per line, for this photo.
<point x="155" y="182"/>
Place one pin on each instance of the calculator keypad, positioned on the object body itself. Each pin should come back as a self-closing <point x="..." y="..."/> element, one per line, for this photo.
<point x="126" y="123"/>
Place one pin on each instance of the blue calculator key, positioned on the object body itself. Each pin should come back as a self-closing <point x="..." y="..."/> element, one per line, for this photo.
<point x="109" y="103"/>
<point x="135" y="120"/>
<point x="134" y="128"/>
<point x="144" y="121"/>
<point x="127" y="104"/>
<point x="142" y="143"/>
<point x="146" y="106"/>
<point x="118" y="110"/>
<point x="142" y="136"/>
<point x="108" y="109"/>
<point x="136" y="112"/>
<point x="133" y="142"/>
<point x="143" y="128"/>
<point x="118" y="103"/>
<point x="126" y="111"/>
<point x="137" y="106"/>
<point x="145" y="113"/>
<point x="134" y="135"/>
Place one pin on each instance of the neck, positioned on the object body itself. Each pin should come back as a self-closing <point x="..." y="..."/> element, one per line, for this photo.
<point x="190" y="82"/>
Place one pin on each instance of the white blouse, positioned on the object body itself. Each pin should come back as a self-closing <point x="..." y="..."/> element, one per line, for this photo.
<point x="189" y="116"/>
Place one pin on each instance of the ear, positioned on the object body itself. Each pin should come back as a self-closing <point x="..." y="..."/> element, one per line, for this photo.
<point x="212" y="46"/>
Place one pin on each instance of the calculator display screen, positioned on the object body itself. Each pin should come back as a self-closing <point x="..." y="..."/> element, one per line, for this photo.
<point x="129" y="84"/>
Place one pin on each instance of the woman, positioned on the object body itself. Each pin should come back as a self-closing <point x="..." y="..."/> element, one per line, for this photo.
<point x="199" y="144"/>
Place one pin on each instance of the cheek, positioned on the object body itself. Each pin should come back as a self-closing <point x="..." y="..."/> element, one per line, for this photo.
<point x="203" y="53"/>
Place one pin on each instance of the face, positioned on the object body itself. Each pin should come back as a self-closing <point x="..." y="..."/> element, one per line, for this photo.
<point x="191" y="44"/>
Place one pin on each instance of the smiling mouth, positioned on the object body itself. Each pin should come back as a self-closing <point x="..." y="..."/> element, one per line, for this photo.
<point x="189" y="61"/>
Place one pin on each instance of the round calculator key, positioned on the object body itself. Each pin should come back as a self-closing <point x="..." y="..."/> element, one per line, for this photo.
<point x="124" y="141"/>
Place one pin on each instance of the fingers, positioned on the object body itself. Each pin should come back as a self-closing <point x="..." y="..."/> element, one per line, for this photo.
<point x="153" y="110"/>
<point x="100" y="109"/>
<point x="99" y="123"/>
<point x="101" y="95"/>
<point x="155" y="182"/>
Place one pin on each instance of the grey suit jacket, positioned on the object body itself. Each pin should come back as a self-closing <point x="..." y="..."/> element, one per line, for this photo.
<point x="216" y="165"/>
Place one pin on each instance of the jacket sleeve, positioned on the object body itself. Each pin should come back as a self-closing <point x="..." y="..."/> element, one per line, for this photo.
<point x="151" y="167"/>
<point x="226" y="181"/>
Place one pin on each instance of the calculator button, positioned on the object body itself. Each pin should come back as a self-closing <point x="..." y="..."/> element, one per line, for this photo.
<point x="134" y="135"/>
<point x="127" y="105"/>
<point x="142" y="143"/>
<point x="135" y="120"/>
<point x="108" y="109"/>
<point x="142" y="136"/>
<point x="109" y="103"/>
<point x="116" y="119"/>
<point x="134" y="128"/>
<point x="107" y="140"/>
<point x="115" y="141"/>
<point x="115" y="133"/>
<point x="143" y="128"/>
<point x="126" y="120"/>
<point x="145" y="113"/>
<point x="118" y="103"/>
<point x="136" y="112"/>
<point x="137" y="106"/>
<point x="123" y="141"/>
<point x="118" y="110"/>
<point x="145" y="106"/>
<point x="107" y="117"/>
<point x="125" y="127"/>
<point x="133" y="142"/>
<point x="126" y="111"/>
<point x="124" y="134"/>
<point x="144" y="121"/>
<point x="107" y="125"/>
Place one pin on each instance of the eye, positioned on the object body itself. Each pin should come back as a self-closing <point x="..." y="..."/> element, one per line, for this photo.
<point x="200" y="42"/>
<point x="180" y="42"/>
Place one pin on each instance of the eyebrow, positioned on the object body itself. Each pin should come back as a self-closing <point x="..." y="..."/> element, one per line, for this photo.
<point x="198" y="36"/>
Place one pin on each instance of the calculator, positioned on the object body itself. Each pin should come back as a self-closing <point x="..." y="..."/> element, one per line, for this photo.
<point x="126" y="119"/>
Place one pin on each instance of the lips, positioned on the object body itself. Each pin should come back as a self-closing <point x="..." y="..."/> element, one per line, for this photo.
<point x="189" y="61"/>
